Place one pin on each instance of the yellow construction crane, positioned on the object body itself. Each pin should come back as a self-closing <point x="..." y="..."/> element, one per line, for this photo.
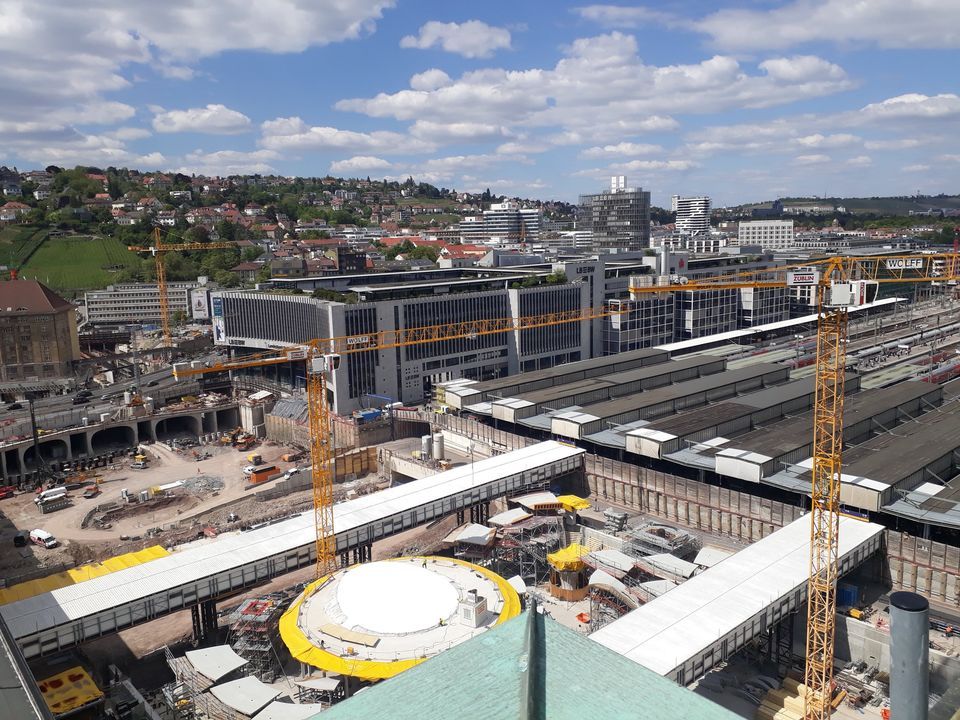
<point x="158" y="250"/>
<point x="322" y="357"/>
<point x="840" y="283"/>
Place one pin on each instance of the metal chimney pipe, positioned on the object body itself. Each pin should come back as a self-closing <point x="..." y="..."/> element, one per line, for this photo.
<point x="909" y="656"/>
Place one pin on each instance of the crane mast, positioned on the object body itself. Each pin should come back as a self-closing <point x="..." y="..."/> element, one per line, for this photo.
<point x="825" y="505"/>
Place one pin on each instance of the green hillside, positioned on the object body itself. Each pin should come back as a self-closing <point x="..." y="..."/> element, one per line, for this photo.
<point x="18" y="242"/>
<point x="78" y="262"/>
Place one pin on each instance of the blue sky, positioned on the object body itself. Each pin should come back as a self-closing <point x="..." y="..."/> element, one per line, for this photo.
<point x="738" y="100"/>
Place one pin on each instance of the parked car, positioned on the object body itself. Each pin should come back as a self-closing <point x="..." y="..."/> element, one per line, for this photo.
<point x="139" y="465"/>
<point x="15" y="406"/>
<point x="248" y="470"/>
<point x="20" y="540"/>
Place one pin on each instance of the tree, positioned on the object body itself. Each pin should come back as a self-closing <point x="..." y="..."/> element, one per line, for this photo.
<point x="251" y="253"/>
<point x="178" y="317"/>
<point x="197" y="234"/>
<point x="227" y="231"/>
<point x="225" y="278"/>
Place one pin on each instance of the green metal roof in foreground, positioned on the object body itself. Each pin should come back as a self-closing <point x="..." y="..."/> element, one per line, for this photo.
<point x="494" y="676"/>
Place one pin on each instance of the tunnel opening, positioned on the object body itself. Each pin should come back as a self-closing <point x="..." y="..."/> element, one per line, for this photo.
<point x="228" y="418"/>
<point x="51" y="451"/>
<point x="118" y="437"/>
<point x="78" y="445"/>
<point x="185" y="426"/>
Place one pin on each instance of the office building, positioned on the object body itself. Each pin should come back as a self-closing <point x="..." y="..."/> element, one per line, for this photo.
<point x="251" y="322"/>
<point x="768" y="234"/>
<point x="38" y="332"/>
<point x="693" y="215"/>
<point x="504" y="223"/>
<point x="618" y="220"/>
<point x="248" y="322"/>
<point x="140" y="302"/>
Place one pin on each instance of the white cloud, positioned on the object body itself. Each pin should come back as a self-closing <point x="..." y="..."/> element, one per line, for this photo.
<point x="294" y="134"/>
<point x="212" y="120"/>
<point x="893" y="144"/>
<point x="885" y="23"/>
<point x="618" y="16"/>
<point x="917" y="167"/>
<point x="430" y="80"/>
<point x="624" y="148"/>
<point x="448" y="132"/>
<point x="130" y="133"/>
<point x="472" y="39"/>
<point x="359" y="163"/>
<point x="860" y="161"/>
<point x="817" y="159"/>
<point x="57" y="53"/>
<point x="603" y="77"/>
<point x="950" y="158"/>
<point x="228" y="162"/>
<point x="827" y="141"/>
<point x="913" y="106"/>
<point x="666" y="165"/>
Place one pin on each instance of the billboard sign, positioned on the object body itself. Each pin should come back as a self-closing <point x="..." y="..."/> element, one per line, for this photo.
<point x="914" y="263"/>
<point x="803" y="277"/>
<point x="200" y="304"/>
<point x="217" y="305"/>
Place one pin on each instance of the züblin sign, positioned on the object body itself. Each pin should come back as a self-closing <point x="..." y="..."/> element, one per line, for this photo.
<point x="914" y="263"/>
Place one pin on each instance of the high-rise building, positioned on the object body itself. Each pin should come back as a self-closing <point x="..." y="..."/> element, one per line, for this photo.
<point x="618" y="220"/>
<point x="38" y="332"/>
<point x="693" y="214"/>
<point x="504" y="223"/>
<point x="768" y="234"/>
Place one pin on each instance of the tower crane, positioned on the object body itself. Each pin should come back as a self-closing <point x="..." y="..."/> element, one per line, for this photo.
<point x="158" y="250"/>
<point x="322" y="357"/>
<point x="839" y="283"/>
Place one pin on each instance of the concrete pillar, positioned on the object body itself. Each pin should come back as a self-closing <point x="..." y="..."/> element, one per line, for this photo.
<point x="88" y="439"/>
<point x="909" y="656"/>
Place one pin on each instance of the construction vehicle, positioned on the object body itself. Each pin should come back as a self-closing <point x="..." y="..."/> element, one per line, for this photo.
<point x="322" y="358"/>
<point x="839" y="284"/>
<point x="158" y="250"/>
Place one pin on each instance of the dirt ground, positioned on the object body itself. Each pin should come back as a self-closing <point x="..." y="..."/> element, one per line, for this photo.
<point x="166" y="466"/>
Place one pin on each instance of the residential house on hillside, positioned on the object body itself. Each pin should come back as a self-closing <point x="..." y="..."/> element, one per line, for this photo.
<point x="288" y="267"/>
<point x="248" y="271"/>
<point x="11" y="211"/>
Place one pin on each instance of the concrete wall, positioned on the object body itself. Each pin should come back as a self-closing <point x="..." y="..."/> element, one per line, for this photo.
<point x="923" y="566"/>
<point x="858" y="640"/>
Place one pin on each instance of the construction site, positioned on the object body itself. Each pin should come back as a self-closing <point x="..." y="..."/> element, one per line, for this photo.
<point x="648" y="518"/>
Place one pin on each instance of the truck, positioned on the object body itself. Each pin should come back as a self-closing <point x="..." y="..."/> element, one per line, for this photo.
<point x="264" y="473"/>
<point x="91" y="491"/>
<point x="43" y="538"/>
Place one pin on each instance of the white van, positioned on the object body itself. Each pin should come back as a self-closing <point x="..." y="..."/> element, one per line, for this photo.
<point x="42" y="537"/>
<point x="48" y="495"/>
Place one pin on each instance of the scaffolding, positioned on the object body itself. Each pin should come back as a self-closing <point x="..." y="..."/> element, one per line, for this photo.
<point x="186" y="696"/>
<point x="255" y="636"/>
<point x="522" y="548"/>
